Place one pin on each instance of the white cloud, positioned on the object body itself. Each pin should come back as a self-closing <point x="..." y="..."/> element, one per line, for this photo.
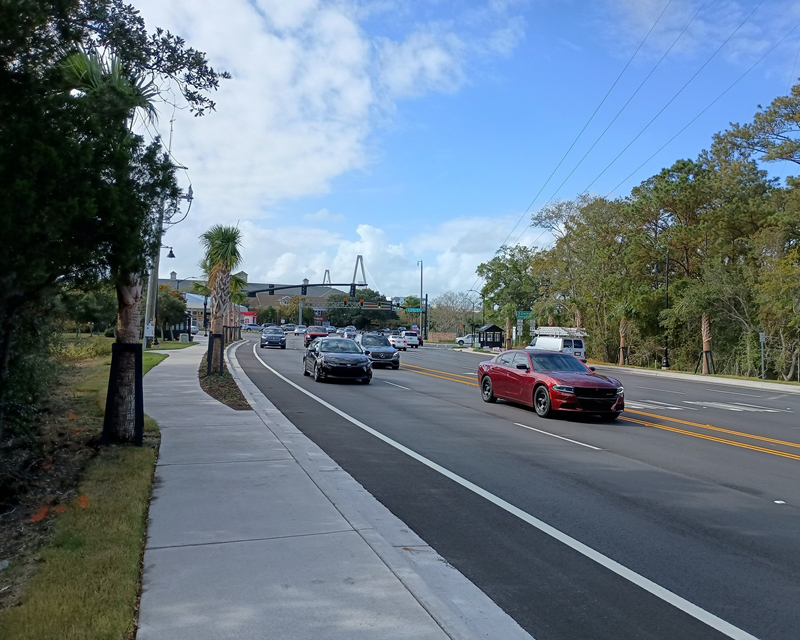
<point x="311" y="90"/>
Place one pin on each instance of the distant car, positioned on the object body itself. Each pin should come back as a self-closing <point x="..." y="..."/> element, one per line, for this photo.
<point x="330" y="329"/>
<point x="340" y="331"/>
<point x="398" y="341"/>
<point x="379" y="350"/>
<point x="289" y="328"/>
<point x="314" y="332"/>
<point x="337" y="358"/>
<point x="195" y="328"/>
<point x="412" y="338"/>
<point x="273" y="337"/>
<point x="251" y="327"/>
<point x="549" y="381"/>
<point x="300" y="329"/>
<point x="468" y="339"/>
<point x="350" y="332"/>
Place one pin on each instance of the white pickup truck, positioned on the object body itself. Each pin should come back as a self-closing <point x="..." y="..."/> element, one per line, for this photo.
<point x="412" y="338"/>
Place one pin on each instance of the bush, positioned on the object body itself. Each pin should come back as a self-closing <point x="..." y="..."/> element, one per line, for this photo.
<point x="109" y="333"/>
<point x="81" y="350"/>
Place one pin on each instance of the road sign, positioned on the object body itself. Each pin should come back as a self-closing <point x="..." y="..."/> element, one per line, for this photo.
<point x="413" y="310"/>
<point x="523" y="315"/>
<point x="762" y="336"/>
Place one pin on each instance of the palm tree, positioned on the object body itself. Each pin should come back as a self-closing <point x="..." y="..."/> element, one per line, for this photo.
<point x="119" y="94"/>
<point x="222" y="256"/>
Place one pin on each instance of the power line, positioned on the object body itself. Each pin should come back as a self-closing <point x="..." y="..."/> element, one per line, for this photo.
<point x="712" y="103"/>
<point x="624" y="106"/>
<point x="672" y="99"/>
<point x="641" y="44"/>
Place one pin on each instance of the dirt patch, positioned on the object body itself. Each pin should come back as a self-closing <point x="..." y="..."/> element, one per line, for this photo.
<point x="222" y="387"/>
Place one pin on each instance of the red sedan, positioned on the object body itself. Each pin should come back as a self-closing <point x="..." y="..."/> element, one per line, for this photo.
<point x="550" y="381"/>
<point x="312" y="333"/>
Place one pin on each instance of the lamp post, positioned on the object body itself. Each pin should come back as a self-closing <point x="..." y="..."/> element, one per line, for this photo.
<point x="425" y="336"/>
<point x="151" y="304"/>
<point x="665" y="361"/>
<point x="483" y="306"/>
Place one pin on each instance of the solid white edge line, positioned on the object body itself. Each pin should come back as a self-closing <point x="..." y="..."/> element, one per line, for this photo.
<point x="547" y="433"/>
<point x="648" y="585"/>
<point x="396" y="385"/>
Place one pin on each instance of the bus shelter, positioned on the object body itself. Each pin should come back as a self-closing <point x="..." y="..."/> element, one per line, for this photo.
<point x="490" y="335"/>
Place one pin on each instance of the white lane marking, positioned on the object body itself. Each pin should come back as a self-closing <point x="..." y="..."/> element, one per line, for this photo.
<point x="779" y="502"/>
<point x="734" y="393"/>
<point x="735" y="407"/>
<point x="783" y="395"/>
<point x="648" y="585"/>
<point x="396" y="385"/>
<point x="547" y="433"/>
<point x="681" y="393"/>
<point x="653" y="404"/>
<point x="760" y="408"/>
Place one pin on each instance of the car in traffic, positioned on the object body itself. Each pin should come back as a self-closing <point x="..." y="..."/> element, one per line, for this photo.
<point x="397" y="341"/>
<point x="379" y="350"/>
<point x="289" y="328"/>
<point x="330" y="329"/>
<point x="272" y="337"/>
<point x="412" y="338"/>
<point x="195" y="328"/>
<point x="466" y="340"/>
<point x="314" y="332"/>
<point x="300" y="329"/>
<point x="350" y="333"/>
<point x="337" y="358"/>
<point x="251" y="327"/>
<point x="550" y="381"/>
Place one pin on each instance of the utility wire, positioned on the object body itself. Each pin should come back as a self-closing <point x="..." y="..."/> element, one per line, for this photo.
<point x="633" y="95"/>
<point x="712" y="103"/>
<point x="594" y="113"/>
<point x="673" y="98"/>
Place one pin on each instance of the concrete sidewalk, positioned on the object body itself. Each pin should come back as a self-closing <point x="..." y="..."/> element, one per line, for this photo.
<point x="255" y="533"/>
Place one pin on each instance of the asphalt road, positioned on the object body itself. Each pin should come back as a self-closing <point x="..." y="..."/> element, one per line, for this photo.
<point x="680" y="520"/>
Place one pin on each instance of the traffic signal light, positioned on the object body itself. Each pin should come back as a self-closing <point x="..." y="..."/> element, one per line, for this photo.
<point x="360" y="303"/>
<point x="272" y="289"/>
<point x="344" y="302"/>
<point x="303" y="290"/>
<point x="352" y="290"/>
<point x="380" y="305"/>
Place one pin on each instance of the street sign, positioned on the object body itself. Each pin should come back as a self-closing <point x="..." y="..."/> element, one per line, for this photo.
<point x="413" y="310"/>
<point x="762" y="336"/>
<point x="149" y="331"/>
<point x="523" y="315"/>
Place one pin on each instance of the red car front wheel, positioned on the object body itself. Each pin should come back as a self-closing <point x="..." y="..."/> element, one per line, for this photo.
<point x="541" y="402"/>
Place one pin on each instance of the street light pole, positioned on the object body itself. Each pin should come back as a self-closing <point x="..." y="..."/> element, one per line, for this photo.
<point x="665" y="361"/>
<point x="483" y="306"/>
<point x="419" y="262"/>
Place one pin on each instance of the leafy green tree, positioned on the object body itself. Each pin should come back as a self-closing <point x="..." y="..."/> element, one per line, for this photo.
<point x="95" y="307"/>
<point x="171" y="308"/>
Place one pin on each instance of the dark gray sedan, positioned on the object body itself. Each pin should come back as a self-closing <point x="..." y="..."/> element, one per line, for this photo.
<point x="273" y="337"/>
<point x="379" y="350"/>
<point x="336" y="358"/>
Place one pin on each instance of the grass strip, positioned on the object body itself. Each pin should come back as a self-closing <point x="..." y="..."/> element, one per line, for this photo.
<point x="170" y="345"/>
<point x="87" y="583"/>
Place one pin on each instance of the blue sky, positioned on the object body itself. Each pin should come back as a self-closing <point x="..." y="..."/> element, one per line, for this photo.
<point x="423" y="130"/>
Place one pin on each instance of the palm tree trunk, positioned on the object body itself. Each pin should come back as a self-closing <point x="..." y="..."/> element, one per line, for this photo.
<point x="623" y="340"/>
<point x="219" y="306"/>
<point x="705" y="328"/>
<point x="123" y="417"/>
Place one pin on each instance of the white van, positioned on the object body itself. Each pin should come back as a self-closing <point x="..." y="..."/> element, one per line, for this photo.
<point x="565" y="340"/>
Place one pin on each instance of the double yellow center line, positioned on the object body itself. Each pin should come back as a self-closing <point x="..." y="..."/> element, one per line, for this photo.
<point x="469" y="379"/>
<point x="461" y="378"/>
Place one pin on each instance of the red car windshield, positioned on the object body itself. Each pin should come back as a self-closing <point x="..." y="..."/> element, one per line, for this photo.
<point x="557" y="362"/>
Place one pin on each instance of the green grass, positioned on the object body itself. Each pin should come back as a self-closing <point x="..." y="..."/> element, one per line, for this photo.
<point x="172" y="344"/>
<point x="699" y="375"/>
<point x="87" y="581"/>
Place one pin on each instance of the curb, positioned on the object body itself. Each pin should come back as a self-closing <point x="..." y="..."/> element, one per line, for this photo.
<point x="469" y="615"/>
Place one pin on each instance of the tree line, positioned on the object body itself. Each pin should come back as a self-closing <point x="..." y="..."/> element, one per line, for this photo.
<point x="81" y="190"/>
<point x="715" y="232"/>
